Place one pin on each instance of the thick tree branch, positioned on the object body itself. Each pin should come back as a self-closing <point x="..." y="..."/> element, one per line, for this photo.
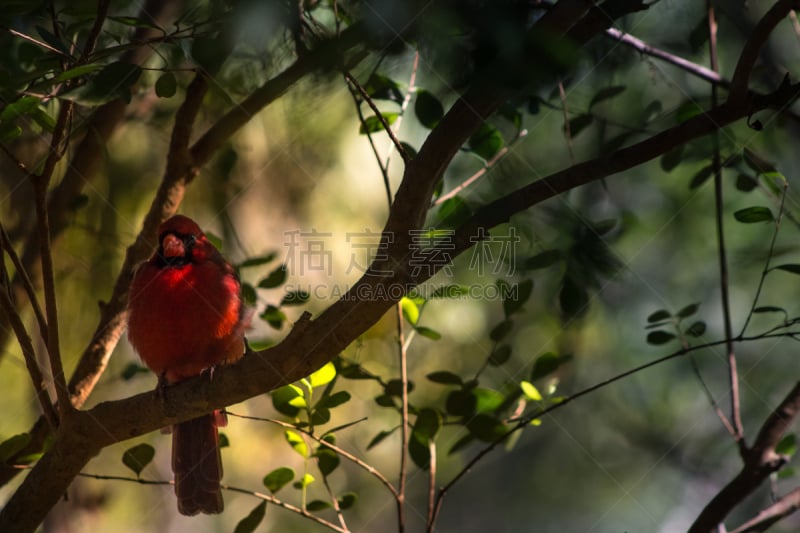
<point x="759" y="464"/>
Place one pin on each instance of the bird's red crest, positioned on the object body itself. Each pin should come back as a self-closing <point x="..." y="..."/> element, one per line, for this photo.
<point x="180" y="224"/>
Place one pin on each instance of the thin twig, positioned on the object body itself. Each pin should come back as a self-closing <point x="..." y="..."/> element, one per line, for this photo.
<point x="716" y="167"/>
<point x="41" y="182"/>
<point x="347" y="455"/>
<point x="5" y="242"/>
<point x="431" y="484"/>
<point x="486" y="167"/>
<point x="378" y="115"/>
<point x="567" y="133"/>
<point x="403" y="355"/>
<point x="266" y="497"/>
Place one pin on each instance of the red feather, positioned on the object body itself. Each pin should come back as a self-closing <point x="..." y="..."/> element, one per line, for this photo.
<point x="186" y="316"/>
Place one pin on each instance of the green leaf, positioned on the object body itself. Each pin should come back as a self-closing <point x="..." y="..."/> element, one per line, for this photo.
<point x="688" y="311"/>
<point x="298" y="297"/>
<point x="257" y="261"/>
<point x="579" y="123"/>
<point x="276" y="278"/>
<point x="658" y="316"/>
<point x="487" y="400"/>
<point x="223" y="441"/>
<point x="461" y="402"/>
<point x="250" y="523"/>
<point x="323" y="376"/>
<point x="334" y="400"/>
<point x="687" y="110"/>
<point x="453" y="212"/>
<point x="21" y="107"/>
<point x="420" y="453"/>
<point x="208" y="53"/>
<point x="428" y="109"/>
<point x="427" y="425"/>
<point x="131" y="370"/>
<point x="750" y="215"/>
<point x="543" y="259"/>
<point x="249" y="295"/>
<point x="445" y="377"/>
<point x="746" y="183"/>
<point x="327" y="460"/>
<point x="428" y="333"/>
<point x="659" y="337"/>
<point x="288" y="400"/>
<point x="273" y="316"/>
<point x="347" y="500"/>
<point x="701" y="176"/>
<point x="318" y="505"/>
<point x="385" y="400"/>
<point x="547" y="363"/>
<point x="113" y="81"/>
<point x="373" y="123"/>
<point x="530" y="391"/>
<point x="793" y="268"/>
<point x="320" y="415"/>
<point x="9" y="132"/>
<point x="356" y="372"/>
<point x="485" y="427"/>
<point x="377" y="439"/>
<point x="500" y="355"/>
<point x="13" y="445"/>
<point x="297" y="443"/>
<point x="278" y="478"/>
<point x="138" y="457"/>
<point x="486" y="141"/>
<point x="787" y="445"/>
<point x="697" y="329"/>
<point x="501" y="330"/>
<point x="606" y="94"/>
<point x="518" y="296"/>
<point x="672" y="159"/>
<point x="410" y="310"/>
<point x="411" y="152"/>
<point x="380" y="87"/>
<point x="394" y="387"/>
<point x="166" y="85"/>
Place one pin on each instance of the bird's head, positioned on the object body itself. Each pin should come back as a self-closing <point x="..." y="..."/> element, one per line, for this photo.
<point x="181" y="241"/>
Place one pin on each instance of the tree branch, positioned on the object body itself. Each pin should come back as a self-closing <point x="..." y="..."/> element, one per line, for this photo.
<point x="782" y="508"/>
<point x="762" y="460"/>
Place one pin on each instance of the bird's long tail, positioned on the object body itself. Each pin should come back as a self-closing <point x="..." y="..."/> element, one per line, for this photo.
<point x="197" y="465"/>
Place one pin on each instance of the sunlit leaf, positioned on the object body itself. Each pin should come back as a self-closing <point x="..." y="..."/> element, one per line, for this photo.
<point x="323" y="376"/>
<point x="304" y="481"/>
<point x="787" y="445"/>
<point x="373" y="123"/>
<point x="530" y="391"/>
<point x="13" y="445"/>
<point x="297" y="443"/>
<point x="410" y="310"/>
<point x="428" y="333"/>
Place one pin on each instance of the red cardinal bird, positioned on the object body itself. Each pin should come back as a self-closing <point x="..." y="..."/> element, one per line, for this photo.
<point x="186" y="316"/>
